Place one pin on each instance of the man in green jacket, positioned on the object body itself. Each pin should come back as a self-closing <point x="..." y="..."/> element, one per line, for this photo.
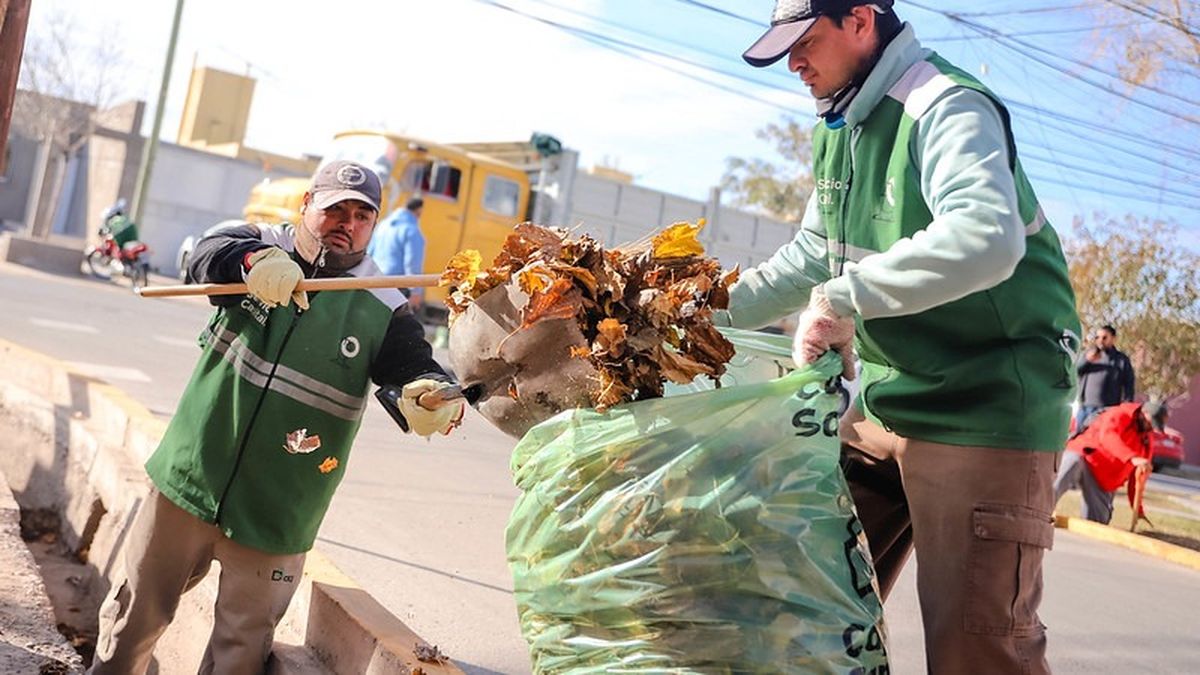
<point x="924" y="248"/>
<point x="260" y="439"/>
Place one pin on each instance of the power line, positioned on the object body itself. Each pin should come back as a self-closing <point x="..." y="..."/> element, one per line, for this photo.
<point x="1003" y="39"/>
<point x="725" y="12"/>
<point x="1094" y="141"/>
<point x="1056" y="31"/>
<point x="1030" y="10"/>
<point x="631" y="50"/>
<point x="722" y="57"/>
<point x="1124" y="179"/>
<point x="1157" y="17"/>
<point x="1186" y="152"/>
<point x="1178" y="150"/>
<point x="1095" y="189"/>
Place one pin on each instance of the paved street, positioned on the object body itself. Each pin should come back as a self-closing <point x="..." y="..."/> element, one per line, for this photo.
<point x="420" y="524"/>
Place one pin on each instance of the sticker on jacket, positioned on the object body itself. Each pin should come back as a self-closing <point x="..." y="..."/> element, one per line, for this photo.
<point x="300" y="443"/>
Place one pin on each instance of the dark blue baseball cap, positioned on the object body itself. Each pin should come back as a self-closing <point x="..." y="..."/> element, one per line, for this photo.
<point x="791" y="20"/>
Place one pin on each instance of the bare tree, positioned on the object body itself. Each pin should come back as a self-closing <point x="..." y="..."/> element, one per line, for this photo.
<point x="1135" y="274"/>
<point x="66" y="82"/>
<point x="780" y="190"/>
<point x="1158" y="39"/>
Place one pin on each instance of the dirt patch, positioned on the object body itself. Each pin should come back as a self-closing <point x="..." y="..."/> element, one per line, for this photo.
<point x="72" y="586"/>
<point x="1172" y="523"/>
<point x="27" y="642"/>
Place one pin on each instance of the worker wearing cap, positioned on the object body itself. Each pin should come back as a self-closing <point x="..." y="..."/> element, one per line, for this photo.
<point x="924" y="247"/>
<point x="1104" y="456"/>
<point x="260" y="439"/>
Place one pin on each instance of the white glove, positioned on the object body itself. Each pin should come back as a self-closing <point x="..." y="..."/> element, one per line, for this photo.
<point x="819" y="330"/>
<point x="422" y="420"/>
<point x="273" y="277"/>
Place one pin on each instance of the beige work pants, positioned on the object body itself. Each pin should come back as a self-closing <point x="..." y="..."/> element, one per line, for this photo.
<point x="168" y="552"/>
<point x="980" y="522"/>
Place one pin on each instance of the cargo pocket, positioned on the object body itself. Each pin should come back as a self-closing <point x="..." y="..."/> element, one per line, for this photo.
<point x="1005" y="575"/>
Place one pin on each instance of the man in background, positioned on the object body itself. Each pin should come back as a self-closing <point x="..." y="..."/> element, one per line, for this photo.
<point x="1105" y="376"/>
<point x="398" y="246"/>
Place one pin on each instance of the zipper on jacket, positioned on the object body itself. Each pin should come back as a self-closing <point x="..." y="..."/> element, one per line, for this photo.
<point x="846" y="203"/>
<point x="262" y="395"/>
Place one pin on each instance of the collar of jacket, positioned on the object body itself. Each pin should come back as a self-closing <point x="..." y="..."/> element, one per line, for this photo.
<point x="903" y="51"/>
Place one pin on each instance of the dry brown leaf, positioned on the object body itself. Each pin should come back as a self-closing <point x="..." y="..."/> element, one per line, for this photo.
<point x="429" y="654"/>
<point x="681" y="369"/>
<point x="560" y="301"/>
<point x="610" y="339"/>
<point x="647" y="308"/>
<point x="535" y="278"/>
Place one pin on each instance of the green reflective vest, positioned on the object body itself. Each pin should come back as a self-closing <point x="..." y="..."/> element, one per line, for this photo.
<point x="991" y="369"/>
<point x="260" y="439"/>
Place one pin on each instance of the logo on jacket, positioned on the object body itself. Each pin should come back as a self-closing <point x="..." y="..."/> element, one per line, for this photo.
<point x="350" y="347"/>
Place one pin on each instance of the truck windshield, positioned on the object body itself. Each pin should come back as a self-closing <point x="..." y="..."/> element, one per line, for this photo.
<point x="376" y="152"/>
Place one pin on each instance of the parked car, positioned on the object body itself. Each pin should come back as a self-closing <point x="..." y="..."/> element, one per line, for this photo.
<point x="1166" y="449"/>
<point x="183" y="256"/>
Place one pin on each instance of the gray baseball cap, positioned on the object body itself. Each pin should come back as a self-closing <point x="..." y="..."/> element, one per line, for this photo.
<point x="791" y="20"/>
<point x="340" y="180"/>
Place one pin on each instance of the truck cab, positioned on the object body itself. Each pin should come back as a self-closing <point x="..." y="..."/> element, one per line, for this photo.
<point x="471" y="200"/>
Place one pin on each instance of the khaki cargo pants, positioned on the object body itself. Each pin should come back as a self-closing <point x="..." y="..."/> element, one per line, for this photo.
<point x="980" y="522"/>
<point x="169" y="551"/>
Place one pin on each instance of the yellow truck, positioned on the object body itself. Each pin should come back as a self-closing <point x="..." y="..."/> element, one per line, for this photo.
<point x="471" y="200"/>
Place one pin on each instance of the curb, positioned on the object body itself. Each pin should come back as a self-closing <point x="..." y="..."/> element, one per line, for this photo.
<point x="110" y="436"/>
<point x="1142" y="544"/>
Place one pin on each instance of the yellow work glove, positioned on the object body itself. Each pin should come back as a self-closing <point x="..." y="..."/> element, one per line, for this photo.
<point x="422" y="420"/>
<point x="273" y="277"/>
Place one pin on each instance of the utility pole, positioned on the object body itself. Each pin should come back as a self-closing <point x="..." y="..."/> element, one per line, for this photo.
<point x="14" y="18"/>
<point x="143" y="178"/>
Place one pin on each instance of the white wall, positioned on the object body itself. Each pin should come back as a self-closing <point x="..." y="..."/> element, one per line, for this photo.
<point x="191" y="191"/>
<point x="616" y="213"/>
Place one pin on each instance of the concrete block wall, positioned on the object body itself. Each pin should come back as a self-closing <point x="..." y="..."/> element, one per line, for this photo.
<point x="81" y="446"/>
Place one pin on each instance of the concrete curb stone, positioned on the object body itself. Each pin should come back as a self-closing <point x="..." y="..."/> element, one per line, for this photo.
<point x="1142" y="544"/>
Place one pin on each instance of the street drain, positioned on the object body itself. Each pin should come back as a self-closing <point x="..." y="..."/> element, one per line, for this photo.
<point x="72" y="585"/>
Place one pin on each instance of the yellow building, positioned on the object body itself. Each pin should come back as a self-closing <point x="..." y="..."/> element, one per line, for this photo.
<point x="214" y="119"/>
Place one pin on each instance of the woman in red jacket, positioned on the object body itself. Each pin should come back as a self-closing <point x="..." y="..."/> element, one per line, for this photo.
<point x="1103" y="456"/>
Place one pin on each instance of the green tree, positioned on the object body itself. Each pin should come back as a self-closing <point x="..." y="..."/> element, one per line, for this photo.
<point x="779" y="190"/>
<point x="1135" y="274"/>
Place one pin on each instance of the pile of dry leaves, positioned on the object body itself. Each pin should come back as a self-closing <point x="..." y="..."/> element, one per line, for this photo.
<point x="645" y="309"/>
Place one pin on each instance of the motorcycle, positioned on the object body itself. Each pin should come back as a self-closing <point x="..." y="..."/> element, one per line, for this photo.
<point x="108" y="259"/>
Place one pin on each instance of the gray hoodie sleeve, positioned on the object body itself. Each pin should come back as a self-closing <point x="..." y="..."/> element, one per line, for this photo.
<point x="976" y="238"/>
<point x="781" y="285"/>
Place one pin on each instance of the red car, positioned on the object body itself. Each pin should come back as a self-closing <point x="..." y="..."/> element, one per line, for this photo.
<point x="1166" y="448"/>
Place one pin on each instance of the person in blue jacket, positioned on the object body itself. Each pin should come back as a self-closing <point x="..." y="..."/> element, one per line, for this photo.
<point x="398" y="246"/>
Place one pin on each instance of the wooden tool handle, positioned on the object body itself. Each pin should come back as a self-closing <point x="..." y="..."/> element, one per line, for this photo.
<point x="329" y="284"/>
<point x="432" y="400"/>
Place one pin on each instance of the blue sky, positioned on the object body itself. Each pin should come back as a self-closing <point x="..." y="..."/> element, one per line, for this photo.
<point x="455" y="70"/>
